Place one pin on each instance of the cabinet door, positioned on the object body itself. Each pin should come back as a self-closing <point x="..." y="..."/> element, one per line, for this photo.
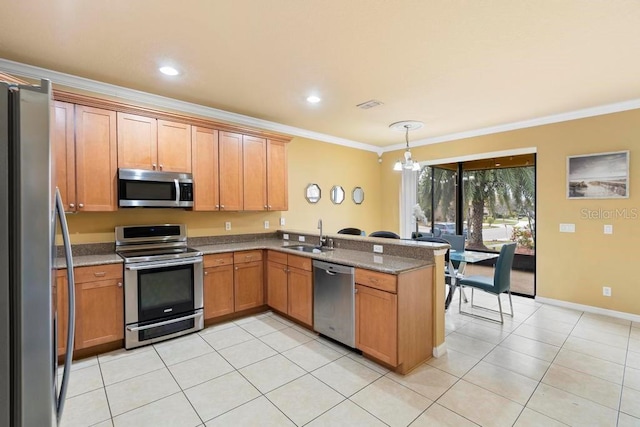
<point x="301" y="295"/>
<point x="218" y="291"/>
<point x="277" y="178"/>
<point x="137" y="142"/>
<point x="63" y="141"/>
<point x="204" y="147"/>
<point x="277" y="286"/>
<point x="377" y="323"/>
<point x="62" y="308"/>
<point x="174" y="146"/>
<point x="99" y="308"/>
<point x="230" y="167"/>
<point x="248" y="286"/>
<point x="254" y="158"/>
<point x="96" y="159"/>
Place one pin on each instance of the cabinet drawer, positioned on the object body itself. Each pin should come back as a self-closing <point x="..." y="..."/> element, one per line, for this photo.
<point x="247" y="256"/>
<point x="299" y="262"/>
<point x="279" y="257"/>
<point x="217" y="260"/>
<point x="100" y="272"/>
<point x="374" y="279"/>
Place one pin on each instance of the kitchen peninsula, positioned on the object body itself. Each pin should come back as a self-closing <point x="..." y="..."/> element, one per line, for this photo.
<point x="399" y="320"/>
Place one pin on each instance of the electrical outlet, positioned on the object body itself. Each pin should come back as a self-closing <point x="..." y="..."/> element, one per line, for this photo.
<point x="227" y="225"/>
<point x="301" y="238"/>
<point x="285" y="236"/>
<point x="567" y="228"/>
<point x="282" y="221"/>
<point x="377" y="249"/>
<point x="608" y="229"/>
<point x="606" y="291"/>
<point x="266" y="224"/>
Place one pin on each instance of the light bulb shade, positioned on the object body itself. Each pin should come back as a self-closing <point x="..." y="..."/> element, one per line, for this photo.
<point x="416" y="167"/>
<point x="397" y="166"/>
<point x="407" y="156"/>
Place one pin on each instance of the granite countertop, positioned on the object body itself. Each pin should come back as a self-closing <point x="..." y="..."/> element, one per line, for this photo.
<point x="372" y="261"/>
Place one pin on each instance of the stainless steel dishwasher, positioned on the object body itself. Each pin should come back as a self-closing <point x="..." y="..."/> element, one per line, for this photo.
<point x="334" y="301"/>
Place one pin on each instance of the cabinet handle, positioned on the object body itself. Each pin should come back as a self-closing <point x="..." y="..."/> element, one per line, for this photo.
<point x="221" y="206"/>
<point x="236" y="268"/>
<point x="206" y="273"/>
<point x="100" y="273"/>
<point x="119" y="284"/>
<point x="265" y="206"/>
<point x="81" y="205"/>
<point x="217" y="206"/>
<point x="374" y="280"/>
<point x="153" y="165"/>
<point x="285" y="270"/>
<point x="355" y="291"/>
<point x="269" y="207"/>
<point x="72" y="205"/>
<point x="248" y="257"/>
<point x="161" y="166"/>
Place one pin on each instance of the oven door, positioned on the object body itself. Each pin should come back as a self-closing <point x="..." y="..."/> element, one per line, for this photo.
<point x="162" y="298"/>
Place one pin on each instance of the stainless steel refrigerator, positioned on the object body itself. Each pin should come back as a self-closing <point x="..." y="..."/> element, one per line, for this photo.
<point x="29" y="206"/>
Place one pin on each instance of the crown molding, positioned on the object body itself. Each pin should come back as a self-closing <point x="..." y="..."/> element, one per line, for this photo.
<point x="30" y="71"/>
<point x="539" y="121"/>
<point x="136" y="96"/>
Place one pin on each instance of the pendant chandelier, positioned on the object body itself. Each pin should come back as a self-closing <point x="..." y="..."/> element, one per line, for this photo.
<point x="408" y="163"/>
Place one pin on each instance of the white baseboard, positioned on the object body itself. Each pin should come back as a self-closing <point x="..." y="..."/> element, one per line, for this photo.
<point x="588" y="309"/>
<point x="440" y="350"/>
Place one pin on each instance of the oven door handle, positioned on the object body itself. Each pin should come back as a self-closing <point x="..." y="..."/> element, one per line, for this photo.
<point x="149" y="266"/>
<point x="166" y="322"/>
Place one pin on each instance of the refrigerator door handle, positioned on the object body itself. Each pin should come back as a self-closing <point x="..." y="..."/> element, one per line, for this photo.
<point x="71" y="327"/>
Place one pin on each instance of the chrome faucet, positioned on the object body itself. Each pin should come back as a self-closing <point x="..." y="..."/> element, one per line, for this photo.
<point x="322" y="238"/>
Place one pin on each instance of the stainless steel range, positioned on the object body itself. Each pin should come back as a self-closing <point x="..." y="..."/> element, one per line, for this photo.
<point x="162" y="283"/>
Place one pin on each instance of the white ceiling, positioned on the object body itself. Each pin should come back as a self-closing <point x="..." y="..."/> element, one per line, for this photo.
<point x="455" y="65"/>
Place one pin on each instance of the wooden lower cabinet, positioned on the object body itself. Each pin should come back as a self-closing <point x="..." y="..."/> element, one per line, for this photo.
<point x="248" y="284"/>
<point x="277" y="292"/>
<point x="300" y="289"/>
<point x="218" y="291"/>
<point x="377" y="323"/>
<point x="61" y="296"/>
<point x="394" y="322"/>
<point x="290" y="286"/>
<point x="99" y="305"/>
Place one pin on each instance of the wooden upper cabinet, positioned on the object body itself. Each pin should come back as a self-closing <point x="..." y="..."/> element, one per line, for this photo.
<point x="96" y="159"/>
<point x="84" y="143"/>
<point x="174" y="146"/>
<point x="277" y="178"/>
<point x="254" y="158"/>
<point x="204" y="147"/>
<point x="137" y="142"/>
<point x="231" y="171"/>
<point x="63" y="141"/>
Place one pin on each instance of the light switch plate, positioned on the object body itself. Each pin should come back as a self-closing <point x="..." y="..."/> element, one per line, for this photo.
<point x="567" y="228"/>
<point x="608" y="229"/>
<point x="301" y="238"/>
<point x="282" y="221"/>
<point x="285" y="236"/>
<point x="378" y="259"/>
<point x="377" y="249"/>
<point x="227" y="225"/>
<point x="266" y="224"/>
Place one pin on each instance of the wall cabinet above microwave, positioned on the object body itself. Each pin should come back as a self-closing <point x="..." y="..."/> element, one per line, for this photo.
<point x="152" y="144"/>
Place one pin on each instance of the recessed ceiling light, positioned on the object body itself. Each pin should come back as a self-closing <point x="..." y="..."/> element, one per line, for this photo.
<point x="169" y="71"/>
<point x="313" y="99"/>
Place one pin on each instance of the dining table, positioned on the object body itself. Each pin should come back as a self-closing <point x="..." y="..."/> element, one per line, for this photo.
<point x="455" y="274"/>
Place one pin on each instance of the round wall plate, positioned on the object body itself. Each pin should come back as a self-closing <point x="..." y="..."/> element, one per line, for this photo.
<point x="406" y="125"/>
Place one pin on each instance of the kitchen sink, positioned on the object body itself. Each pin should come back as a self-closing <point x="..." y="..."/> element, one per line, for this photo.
<point x="307" y="248"/>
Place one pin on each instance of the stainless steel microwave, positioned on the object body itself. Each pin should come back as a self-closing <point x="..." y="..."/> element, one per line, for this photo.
<point x="156" y="189"/>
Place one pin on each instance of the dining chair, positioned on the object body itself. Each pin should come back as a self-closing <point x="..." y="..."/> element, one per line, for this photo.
<point x="384" y="234"/>
<point x="350" y="230"/>
<point x="498" y="284"/>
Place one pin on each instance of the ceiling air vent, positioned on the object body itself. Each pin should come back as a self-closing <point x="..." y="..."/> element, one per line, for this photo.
<point x="369" y="104"/>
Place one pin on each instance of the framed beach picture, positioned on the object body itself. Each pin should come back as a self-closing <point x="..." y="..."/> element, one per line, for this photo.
<point x="598" y="176"/>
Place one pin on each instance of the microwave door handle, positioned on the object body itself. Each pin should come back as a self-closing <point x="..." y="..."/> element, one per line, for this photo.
<point x="72" y="306"/>
<point x="175" y="181"/>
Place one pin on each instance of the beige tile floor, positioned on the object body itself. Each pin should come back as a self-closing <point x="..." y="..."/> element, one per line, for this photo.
<point x="547" y="366"/>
